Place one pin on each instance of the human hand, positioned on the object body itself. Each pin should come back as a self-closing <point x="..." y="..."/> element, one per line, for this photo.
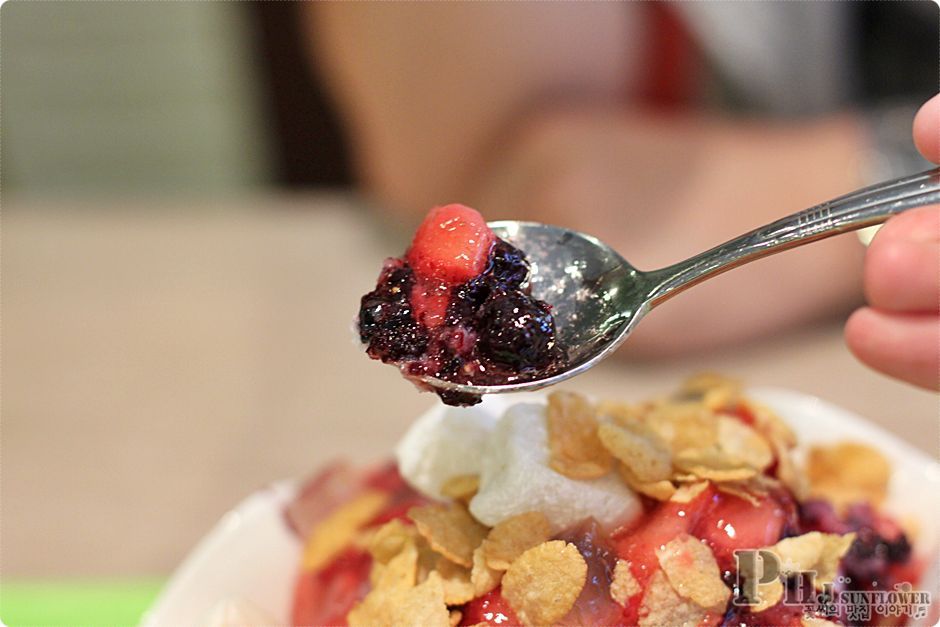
<point x="898" y="334"/>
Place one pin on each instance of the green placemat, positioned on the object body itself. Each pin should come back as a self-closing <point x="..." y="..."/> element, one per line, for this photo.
<point x="97" y="603"/>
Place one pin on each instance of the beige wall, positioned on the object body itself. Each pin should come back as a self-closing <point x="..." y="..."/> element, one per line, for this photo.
<point x="149" y="97"/>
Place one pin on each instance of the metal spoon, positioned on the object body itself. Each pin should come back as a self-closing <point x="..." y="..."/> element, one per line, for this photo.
<point x="598" y="298"/>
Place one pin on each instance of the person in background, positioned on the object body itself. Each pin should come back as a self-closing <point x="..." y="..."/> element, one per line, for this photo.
<point x="662" y="128"/>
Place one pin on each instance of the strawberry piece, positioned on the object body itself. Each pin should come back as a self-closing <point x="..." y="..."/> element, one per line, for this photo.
<point x="452" y="245"/>
<point x="743" y="413"/>
<point x="638" y="545"/>
<point x="491" y="608"/>
<point x="386" y="477"/>
<point x="429" y="300"/>
<point x="732" y="523"/>
<point x="326" y="596"/>
<point x="333" y="486"/>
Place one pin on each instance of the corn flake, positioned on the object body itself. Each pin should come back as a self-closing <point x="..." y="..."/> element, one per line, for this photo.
<point x="819" y="552"/>
<point x="456" y="581"/>
<point x="574" y="448"/>
<point x="742" y="490"/>
<point x="427" y="559"/>
<point x="661" y="605"/>
<point x="788" y="473"/>
<point x="544" y="582"/>
<point x="418" y="605"/>
<point x="687" y="493"/>
<point x="742" y="444"/>
<point x="739" y="453"/>
<point x="659" y="490"/>
<point x="721" y="398"/>
<point x="461" y="487"/>
<point x="712" y="465"/>
<point x="483" y="578"/>
<point x="401" y="571"/>
<point x="623" y="585"/>
<point x="684" y="425"/>
<point x="388" y="540"/>
<point x="771" y="425"/>
<point x="692" y="570"/>
<point x="623" y="414"/>
<point x="713" y="391"/>
<point x="770" y="594"/>
<point x="340" y="528"/>
<point x="641" y="450"/>
<point x="512" y="537"/>
<point x="698" y="384"/>
<point x="450" y="530"/>
<point x="848" y="472"/>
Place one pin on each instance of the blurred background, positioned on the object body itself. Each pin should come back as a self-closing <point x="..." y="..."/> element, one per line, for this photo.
<point x="184" y="241"/>
<point x="200" y="98"/>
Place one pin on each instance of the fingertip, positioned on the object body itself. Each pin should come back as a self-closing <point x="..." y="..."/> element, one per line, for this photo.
<point x="927" y="129"/>
<point x="903" y="276"/>
<point x="902" y="346"/>
<point x="859" y="331"/>
<point x="902" y="264"/>
<point x="919" y="224"/>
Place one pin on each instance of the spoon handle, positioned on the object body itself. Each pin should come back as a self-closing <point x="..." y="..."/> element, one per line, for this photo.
<point x="865" y="207"/>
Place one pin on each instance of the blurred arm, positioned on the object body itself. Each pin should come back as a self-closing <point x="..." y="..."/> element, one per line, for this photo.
<point x="430" y="90"/>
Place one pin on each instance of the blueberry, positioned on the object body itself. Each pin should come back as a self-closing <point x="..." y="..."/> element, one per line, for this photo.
<point x="508" y="266"/>
<point x="516" y="331"/>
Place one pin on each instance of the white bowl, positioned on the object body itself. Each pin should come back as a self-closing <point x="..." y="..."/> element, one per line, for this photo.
<point x="251" y="554"/>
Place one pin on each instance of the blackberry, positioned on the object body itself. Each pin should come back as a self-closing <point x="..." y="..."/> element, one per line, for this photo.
<point x="466" y="300"/>
<point x="459" y="399"/>
<point x="396" y="281"/>
<point x="386" y="322"/>
<point x="516" y="331"/>
<point x="508" y="266"/>
<point x="879" y="543"/>
<point x="818" y="515"/>
<point x="390" y="330"/>
<point x="871" y="555"/>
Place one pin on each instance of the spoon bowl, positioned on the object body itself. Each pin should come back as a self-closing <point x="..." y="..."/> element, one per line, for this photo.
<point x="598" y="298"/>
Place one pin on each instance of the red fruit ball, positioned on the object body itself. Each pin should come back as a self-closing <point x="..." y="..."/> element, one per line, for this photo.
<point x="451" y="245"/>
<point x="733" y="523"/>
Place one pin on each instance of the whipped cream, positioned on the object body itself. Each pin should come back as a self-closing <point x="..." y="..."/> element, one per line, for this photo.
<point x="507" y="445"/>
<point x="445" y="442"/>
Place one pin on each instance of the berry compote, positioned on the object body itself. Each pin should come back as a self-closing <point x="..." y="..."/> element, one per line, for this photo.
<point x="458" y="307"/>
